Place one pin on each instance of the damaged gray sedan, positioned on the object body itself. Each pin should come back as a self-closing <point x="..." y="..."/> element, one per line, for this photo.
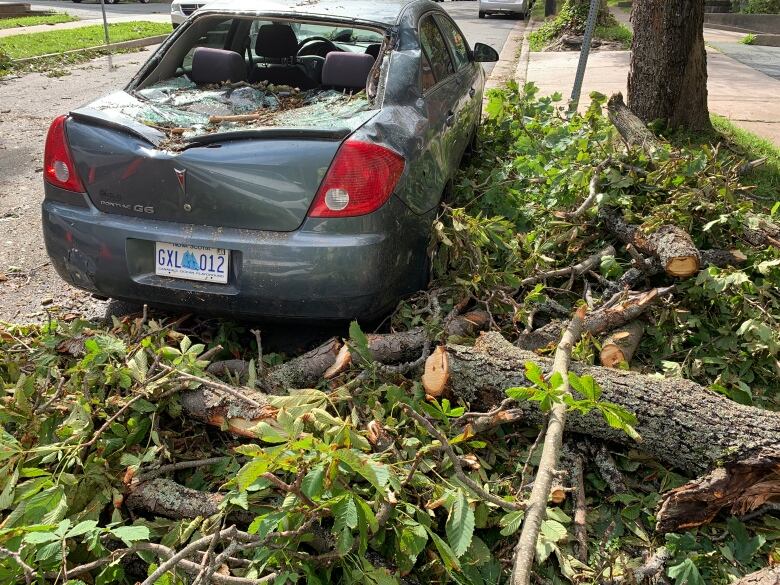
<point x="280" y="162"/>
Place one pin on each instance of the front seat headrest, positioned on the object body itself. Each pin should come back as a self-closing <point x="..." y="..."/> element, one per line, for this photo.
<point x="276" y="41"/>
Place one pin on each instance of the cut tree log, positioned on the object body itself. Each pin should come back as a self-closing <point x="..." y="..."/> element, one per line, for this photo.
<point x="670" y="244"/>
<point x="621" y="344"/>
<point x="597" y="322"/>
<point x="682" y="424"/>
<point x="436" y="374"/>
<point x="631" y="128"/>
<point x="761" y="232"/>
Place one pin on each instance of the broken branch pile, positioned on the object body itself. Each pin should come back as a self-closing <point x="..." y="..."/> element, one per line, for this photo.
<point x="431" y="450"/>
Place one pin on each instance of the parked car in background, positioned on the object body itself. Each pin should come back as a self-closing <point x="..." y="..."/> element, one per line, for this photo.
<point x="284" y="162"/>
<point x="516" y="8"/>
<point x="181" y="9"/>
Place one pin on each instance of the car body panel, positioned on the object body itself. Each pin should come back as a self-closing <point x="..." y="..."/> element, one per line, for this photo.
<point x="284" y="264"/>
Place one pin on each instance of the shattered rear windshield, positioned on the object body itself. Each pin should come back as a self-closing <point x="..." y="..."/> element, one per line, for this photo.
<point x="276" y="81"/>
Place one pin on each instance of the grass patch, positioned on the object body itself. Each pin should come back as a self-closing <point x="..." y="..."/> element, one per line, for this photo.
<point x="56" y="66"/>
<point x="548" y="32"/>
<point x="616" y="33"/>
<point x="748" y="39"/>
<point x="58" y="41"/>
<point x="747" y="145"/>
<point x="21" y="21"/>
<point x="766" y="178"/>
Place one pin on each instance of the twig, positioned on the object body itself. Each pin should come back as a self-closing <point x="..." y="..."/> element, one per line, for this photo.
<point x="215" y="385"/>
<point x="531" y="451"/>
<point x="592" y="191"/>
<point x="526" y="544"/>
<point x="152" y="473"/>
<point x="260" y="368"/>
<point x="204" y="576"/>
<point x="29" y="572"/>
<point x="45" y="406"/>
<point x="653" y="565"/>
<point x="571" y="271"/>
<point x="580" y="509"/>
<point x="208" y="354"/>
<point x="459" y="473"/>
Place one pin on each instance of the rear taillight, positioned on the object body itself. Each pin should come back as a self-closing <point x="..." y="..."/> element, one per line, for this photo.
<point x="359" y="181"/>
<point x="58" y="167"/>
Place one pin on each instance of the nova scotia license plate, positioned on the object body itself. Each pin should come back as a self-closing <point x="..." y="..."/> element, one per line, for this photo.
<point x="191" y="262"/>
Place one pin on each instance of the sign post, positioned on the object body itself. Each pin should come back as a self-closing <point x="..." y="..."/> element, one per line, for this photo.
<point x="589" y="26"/>
<point x="105" y="33"/>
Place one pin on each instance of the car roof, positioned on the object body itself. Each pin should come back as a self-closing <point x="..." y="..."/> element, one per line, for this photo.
<point x="385" y="12"/>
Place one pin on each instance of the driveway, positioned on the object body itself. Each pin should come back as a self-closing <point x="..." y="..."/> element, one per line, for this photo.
<point x="30" y="290"/>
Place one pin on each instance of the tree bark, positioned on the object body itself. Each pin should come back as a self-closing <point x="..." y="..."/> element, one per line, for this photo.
<point x="766" y="576"/>
<point x="668" y="75"/>
<point x="681" y="423"/>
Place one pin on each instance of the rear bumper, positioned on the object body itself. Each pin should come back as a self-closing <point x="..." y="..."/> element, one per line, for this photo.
<point x="311" y="273"/>
<point x="514" y="7"/>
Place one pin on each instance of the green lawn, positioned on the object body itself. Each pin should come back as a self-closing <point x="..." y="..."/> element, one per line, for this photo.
<point x="58" y="41"/>
<point x="55" y="18"/>
<point x="766" y="178"/>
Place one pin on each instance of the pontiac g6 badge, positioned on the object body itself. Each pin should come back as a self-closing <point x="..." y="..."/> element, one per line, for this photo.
<point x="181" y="176"/>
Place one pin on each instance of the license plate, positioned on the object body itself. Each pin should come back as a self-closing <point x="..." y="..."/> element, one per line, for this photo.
<point x="191" y="262"/>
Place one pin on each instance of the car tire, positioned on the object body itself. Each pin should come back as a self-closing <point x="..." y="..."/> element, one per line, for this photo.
<point x="144" y="1"/>
<point x="481" y="14"/>
<point x="77" y="1"/>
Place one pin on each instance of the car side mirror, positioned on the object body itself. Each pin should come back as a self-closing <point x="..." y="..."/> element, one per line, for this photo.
<point x="484" y="53"/>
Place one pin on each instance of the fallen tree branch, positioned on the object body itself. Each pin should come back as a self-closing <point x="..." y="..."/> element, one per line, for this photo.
<point x="172" y="467"/>
<point x="606" y="318"/>
<point x="29" y="572"/>
<point x="570" y="271"/>
<point x="766" y="576"/>
<point x="593" y="193"/>
<point x="525" y="550"/>
<point x="673" y="246"/>
<point x="631" y="128"/>
<point x="455" y="461"/>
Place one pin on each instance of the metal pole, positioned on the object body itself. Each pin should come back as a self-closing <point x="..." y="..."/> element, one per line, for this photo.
<point x="105" y="33"/>
<point x="589" y="26"/>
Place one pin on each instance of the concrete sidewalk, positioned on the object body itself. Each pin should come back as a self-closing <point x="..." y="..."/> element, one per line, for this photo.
<point x="22" y="30"/>
<point x="742" y="94"/>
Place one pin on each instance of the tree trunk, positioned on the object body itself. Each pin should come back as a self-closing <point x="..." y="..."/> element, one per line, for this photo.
<point x="668" y="75"/>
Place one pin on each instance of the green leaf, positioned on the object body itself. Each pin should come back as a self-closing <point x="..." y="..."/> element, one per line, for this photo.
<point x="359" y="343"/>
<point x="81" y="528"/>
<point x="534" y="374"/>
<point x="345" y="514"/>
<point x="445" y="552"/>
<point x="40" y="537"/>
<point x="249" y="473"/>
<point x="460" y="524"/>
<point x="131" y="534"/>
<point x="511" y="522"/>
<point x="685" y="573"/>
<point x="553" y="530"/>
<point x="412" y="541"/>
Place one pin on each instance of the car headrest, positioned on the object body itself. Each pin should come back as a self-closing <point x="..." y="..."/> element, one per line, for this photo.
<point x="276" y="41"/>
<point x="216" y="65"/>
<point x="346" y="70"/>
<point x="373" y="50"/>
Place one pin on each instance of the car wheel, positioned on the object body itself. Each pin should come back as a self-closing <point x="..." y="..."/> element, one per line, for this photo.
<point x="144" y="1"/>
<point x="77" y="1"/>
<point x="481" y="14"/>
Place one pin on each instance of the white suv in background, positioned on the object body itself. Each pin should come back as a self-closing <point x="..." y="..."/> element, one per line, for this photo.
<point x="516" y="8"/>
<point x="181" y="9"/>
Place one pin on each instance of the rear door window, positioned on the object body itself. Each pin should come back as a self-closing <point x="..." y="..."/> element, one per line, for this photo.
<point x="435" y="50"/>
<point x="216" y="37"/>
<point x="456" y="41"/>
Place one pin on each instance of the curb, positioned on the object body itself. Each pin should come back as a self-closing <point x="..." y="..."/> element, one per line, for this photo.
<point x="133" y="44"/>
<point x="521" y="73"/>
<point x="505" y="65"/>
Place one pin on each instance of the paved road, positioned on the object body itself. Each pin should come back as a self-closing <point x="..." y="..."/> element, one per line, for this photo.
<point x="27" y="106"/>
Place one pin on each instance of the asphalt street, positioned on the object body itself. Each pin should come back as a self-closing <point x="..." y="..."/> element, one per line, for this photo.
<point x="29" y="287"/>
